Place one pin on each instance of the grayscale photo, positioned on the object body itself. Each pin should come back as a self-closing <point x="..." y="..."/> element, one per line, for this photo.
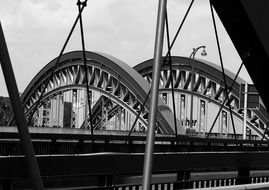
<point x="134" y="94"/>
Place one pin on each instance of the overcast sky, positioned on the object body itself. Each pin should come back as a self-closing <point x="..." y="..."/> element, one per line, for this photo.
<point x="35" y="32"/>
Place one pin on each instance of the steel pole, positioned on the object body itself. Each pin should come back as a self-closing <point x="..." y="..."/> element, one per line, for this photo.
<point x="147" y="170"/>
<point x="25" y="139"/>
<point x="192" y="56"/>
<point x="192" y="81"/>
<point x="245" y="111"/>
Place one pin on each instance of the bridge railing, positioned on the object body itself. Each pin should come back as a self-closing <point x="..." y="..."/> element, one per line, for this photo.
<point x="49" y="141"/>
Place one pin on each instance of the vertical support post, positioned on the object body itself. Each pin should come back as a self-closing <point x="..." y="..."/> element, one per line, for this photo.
<point x="202" y="119"/>
<point x="243" y="176"/>
<point x="58" y="109"/>
<point x="36" y="118"/>
<point x="192" y="56"/>
<point x="85" y="110"/>
<point x="192" y="81"/>
<point x="147" y="170"/>
<point x="74" y="111"/>
<point x="61" y="109"/>
<point x="224" y="124"/>
<point x="117" y="120"/>
<point x="47" y="113"/>
<point x="183" y="178"/>
<point x="245" y="111"/>
<point x="16" y="103"/>
<point x="126" y="121"/>
<point x="120" y="117"/>
<point x="104" y="124"/>
<point x="182" y="110"/>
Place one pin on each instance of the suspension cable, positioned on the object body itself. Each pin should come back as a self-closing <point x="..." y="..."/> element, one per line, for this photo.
<point x="79" y="3"/>
<point x="179" y="29"/>
<point x="171" y="71"/>
<point x="55" y="66"/>
<point x="222" y="105"/>
<point x="170" y="47"/>
<point x="222" y="67"/>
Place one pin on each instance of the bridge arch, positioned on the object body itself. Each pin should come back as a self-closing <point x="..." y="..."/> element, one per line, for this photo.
<point x="208" y="95"/>
<point x="115" y="86"/>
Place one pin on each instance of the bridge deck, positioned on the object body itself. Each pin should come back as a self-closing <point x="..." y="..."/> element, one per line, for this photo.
<point x="108" y="163"/>
<point x="121" y="169"/>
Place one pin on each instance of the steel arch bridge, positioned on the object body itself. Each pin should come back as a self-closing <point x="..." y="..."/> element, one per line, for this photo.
<point x="209" y="94"/>
<point x="117" y="93"/>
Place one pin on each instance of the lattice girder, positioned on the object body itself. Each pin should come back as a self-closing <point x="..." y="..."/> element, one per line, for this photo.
<point x="209" y="84"/>
<point x="106" y="75"/>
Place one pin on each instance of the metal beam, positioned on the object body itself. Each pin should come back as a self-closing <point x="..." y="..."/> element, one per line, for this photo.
<point x="76" y="134"/>
<point x="246" y="23"/>
<point x="119" y="163"/>
<point x="32" y="165"/>
<point x="154" y="95"/>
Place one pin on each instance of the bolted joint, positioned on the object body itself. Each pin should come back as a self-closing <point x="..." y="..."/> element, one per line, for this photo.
<point x="79" y="3"/>
<point x="84" y="3"/>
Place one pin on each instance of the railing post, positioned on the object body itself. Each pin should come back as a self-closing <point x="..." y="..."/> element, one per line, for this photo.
<point x="183" y="178"/>
<point x="243" y="176"/>
<point x="109" y="178"/>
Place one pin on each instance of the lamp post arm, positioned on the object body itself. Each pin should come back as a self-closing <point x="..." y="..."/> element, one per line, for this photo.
<point x="192" y="56"/>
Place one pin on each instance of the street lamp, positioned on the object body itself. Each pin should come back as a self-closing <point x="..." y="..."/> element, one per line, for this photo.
<point x="192" y="78"/>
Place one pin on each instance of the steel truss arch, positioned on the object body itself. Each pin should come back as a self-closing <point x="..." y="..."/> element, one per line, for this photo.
<point x="209" y="85"/>
<point x="114" y="78"/>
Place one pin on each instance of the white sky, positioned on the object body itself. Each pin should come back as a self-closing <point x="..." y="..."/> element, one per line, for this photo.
<point x="35" y="32"/>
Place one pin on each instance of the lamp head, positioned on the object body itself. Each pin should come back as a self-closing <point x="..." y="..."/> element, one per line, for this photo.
<point x="204" y="52"/>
